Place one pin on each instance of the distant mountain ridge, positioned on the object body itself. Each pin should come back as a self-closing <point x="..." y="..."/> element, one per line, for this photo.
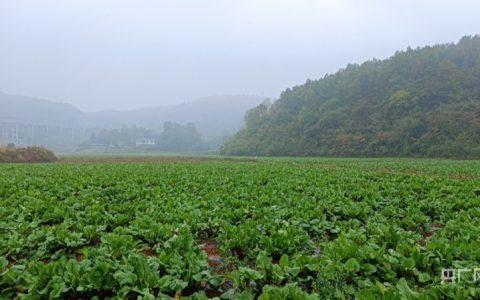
<point x="215" y="115"/>
<point x="35" y="110"/>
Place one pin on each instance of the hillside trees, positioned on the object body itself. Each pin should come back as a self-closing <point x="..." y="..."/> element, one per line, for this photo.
<point x="180" y="138"/>
<point x="422" y="102"/>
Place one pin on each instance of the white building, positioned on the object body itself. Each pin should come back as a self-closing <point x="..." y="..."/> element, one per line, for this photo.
<point x="145" y="142"/>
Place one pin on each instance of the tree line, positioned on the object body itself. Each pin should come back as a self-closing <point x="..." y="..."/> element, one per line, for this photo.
<point x="175" y="137"/>
<point x="422" y="102"/>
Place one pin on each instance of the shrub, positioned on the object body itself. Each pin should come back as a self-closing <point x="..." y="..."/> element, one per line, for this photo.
<point x="26" y="155"/>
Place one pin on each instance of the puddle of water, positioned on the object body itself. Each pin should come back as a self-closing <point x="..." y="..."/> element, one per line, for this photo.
<point x="210" y="247"/>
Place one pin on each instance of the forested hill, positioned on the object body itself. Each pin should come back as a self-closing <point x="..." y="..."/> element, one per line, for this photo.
<point x="422" y="102"/>
<point x="33" y="110"/>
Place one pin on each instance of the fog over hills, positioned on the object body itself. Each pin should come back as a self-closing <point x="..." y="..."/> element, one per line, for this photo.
<point x="215" y="115"/>
<point x="28" y="121"/>
<point x="34" y="110"/>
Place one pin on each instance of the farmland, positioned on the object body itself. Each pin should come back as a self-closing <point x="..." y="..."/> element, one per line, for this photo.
<point x="239" y="229"/>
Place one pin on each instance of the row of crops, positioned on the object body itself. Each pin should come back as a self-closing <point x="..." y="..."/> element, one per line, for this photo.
<point x="270" y="229"/>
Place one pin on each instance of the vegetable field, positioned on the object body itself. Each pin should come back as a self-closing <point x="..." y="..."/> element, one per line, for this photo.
<point x="233" y="229"/>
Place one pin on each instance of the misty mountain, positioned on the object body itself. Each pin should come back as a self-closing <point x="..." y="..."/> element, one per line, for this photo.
<point x="420" y="102"/>
<point x="216" y="115"/>
<point x="62" y="127"/>
<point x="212" y="116"/>
<point x="35" y="110"/>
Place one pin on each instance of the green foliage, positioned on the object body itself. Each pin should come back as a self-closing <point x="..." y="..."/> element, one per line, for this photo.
<point x="283" y="229"/>
<point x="422" y="103"/>
<point x="180" y="138"/>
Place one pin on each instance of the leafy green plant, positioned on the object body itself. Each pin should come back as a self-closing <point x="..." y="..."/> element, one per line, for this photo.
<point x="291" y="228"/>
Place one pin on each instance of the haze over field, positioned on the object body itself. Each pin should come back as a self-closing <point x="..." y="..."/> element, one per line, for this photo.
<point x="28" y="121"/>
<point x="112" y="54"/>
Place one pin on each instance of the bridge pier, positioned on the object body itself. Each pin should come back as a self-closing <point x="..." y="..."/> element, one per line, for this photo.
<point x="27" y="134"/>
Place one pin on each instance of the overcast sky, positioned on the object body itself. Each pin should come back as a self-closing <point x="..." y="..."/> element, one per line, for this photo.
<point x="124" y="54"/>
